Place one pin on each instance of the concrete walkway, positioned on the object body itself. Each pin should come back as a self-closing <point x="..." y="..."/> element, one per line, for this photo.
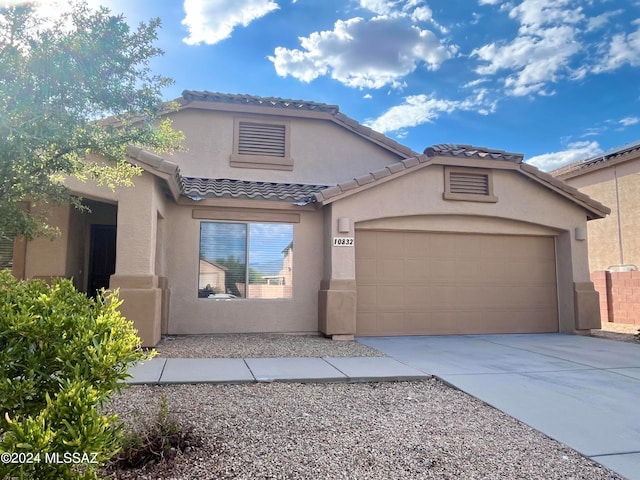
<point x="246" y="370"/>
<point x="581" y="391"/>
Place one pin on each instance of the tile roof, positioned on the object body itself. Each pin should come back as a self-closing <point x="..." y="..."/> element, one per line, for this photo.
<point x="330" y="194"/>
<point x="201" y="188"/>
<point x="191" y="95"/>
<point x="599" y="161"/>
<point x="469" y="151"/>
<point x="301" y="105"/>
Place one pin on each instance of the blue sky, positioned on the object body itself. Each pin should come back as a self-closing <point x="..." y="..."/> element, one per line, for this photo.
<point x="557" y="80"/>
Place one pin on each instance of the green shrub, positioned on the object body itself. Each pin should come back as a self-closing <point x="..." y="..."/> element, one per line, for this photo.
<point x="62" y="355"/>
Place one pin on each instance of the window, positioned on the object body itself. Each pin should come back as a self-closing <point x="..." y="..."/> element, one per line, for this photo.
<point x="6" y="253"/>
<point x="245" y="260"/>
<point x="468" y="184"/>
<point x="261" y="144"/>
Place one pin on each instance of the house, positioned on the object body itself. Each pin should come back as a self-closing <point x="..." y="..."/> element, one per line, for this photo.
<point x="212" y="278"/>
<point x="614" y="241"/>
<point x="388" y="241"/>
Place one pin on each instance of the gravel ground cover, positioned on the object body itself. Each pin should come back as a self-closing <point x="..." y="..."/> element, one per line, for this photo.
<point x="405" y="430"/>
<point x="412" y="430"/>
<point x="259" y="345"/>
<point x="621" y="332"/>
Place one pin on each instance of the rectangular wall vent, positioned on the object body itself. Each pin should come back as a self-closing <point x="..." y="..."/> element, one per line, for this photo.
<point x="261" y="139"/>
<point x="469" y="183"/>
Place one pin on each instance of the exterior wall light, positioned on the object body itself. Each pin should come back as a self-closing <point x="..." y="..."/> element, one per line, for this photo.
<point x="344" y="225"/>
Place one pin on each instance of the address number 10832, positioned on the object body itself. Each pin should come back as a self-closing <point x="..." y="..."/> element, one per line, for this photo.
<point x="343" y="241"/>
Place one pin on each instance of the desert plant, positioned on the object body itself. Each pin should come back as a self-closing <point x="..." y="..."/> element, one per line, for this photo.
<point x="63" y="354"/>
<point x="154" y="440"/>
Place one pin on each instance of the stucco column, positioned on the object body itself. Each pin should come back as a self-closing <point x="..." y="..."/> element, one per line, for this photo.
<point x="585" y="297"/>
<point x="337" y="295"/>
<point x="135" y="260"/>
<point x="578" y="301"/>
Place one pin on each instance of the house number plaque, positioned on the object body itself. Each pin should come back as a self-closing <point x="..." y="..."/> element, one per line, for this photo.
<point x="343" y="241"/>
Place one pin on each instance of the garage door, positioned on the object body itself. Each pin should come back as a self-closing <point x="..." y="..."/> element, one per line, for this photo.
<point x="417" y="283"/>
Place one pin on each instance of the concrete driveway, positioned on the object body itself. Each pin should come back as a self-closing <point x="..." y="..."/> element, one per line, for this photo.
<point x="581" y="391"/>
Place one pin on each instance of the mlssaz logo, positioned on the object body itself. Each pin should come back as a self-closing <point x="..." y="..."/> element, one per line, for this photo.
<point x="71" y="458"/>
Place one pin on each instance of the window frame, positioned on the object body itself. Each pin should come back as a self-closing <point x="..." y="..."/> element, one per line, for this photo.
<point x="490" y="197"/>
<point x="264" y="162"/>
<point x="246" y="259"/>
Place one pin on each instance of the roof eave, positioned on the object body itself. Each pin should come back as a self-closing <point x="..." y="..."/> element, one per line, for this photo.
<point x="593" y="208"/>
<point x="613" y="157"/>
<point x="157" y="166"/>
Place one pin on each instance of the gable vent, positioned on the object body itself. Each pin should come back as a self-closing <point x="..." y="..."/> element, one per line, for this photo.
<point x="261" y="139"/>
<point x="469" y="183"/>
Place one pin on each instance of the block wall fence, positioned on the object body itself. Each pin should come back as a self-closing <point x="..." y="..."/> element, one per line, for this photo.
<point x="619" y="296"/>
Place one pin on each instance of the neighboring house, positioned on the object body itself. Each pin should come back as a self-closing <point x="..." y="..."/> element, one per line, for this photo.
<point x="212" y="278"/>
<point x="387" y="241"/>
<point x="614" y="242"/>
<point x="614" y="179"/>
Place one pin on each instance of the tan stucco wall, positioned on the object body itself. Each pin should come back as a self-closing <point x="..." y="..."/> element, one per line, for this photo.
<point x="604" y="243"/>
<point x="191" y="315"/>
<point x="414" y="202"/>
<point x="322" y="152"/>
<point x="48" y="257"/>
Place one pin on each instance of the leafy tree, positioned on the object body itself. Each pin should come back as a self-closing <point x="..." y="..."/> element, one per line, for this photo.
<point x="60" y="78"/>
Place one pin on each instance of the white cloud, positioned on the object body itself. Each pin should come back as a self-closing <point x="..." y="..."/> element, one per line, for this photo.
<point x="541" y="53"/>
<point x="554" y="43"/>
<point x="535" y="59"/>
<point x="622" y="49"/>
<point x="422" y="14"/>
<point x="629" y="121"/>
<point x="411" y="10"/>
<point x="533" y="14"/>
<point x="363" y="53"/>
<point x="599" y="21"/>
<point x="475" y="83"/>
<point x="419" y="109"/>
<point x="415" y="9"/>
<point x="416" y="110"/>
<point x="381" y="7"/>
<point x="211" y="21"/>
<point x="577" y="151"/>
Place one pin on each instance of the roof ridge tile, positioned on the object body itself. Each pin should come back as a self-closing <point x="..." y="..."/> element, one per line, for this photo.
<point x="470" y="151"/>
